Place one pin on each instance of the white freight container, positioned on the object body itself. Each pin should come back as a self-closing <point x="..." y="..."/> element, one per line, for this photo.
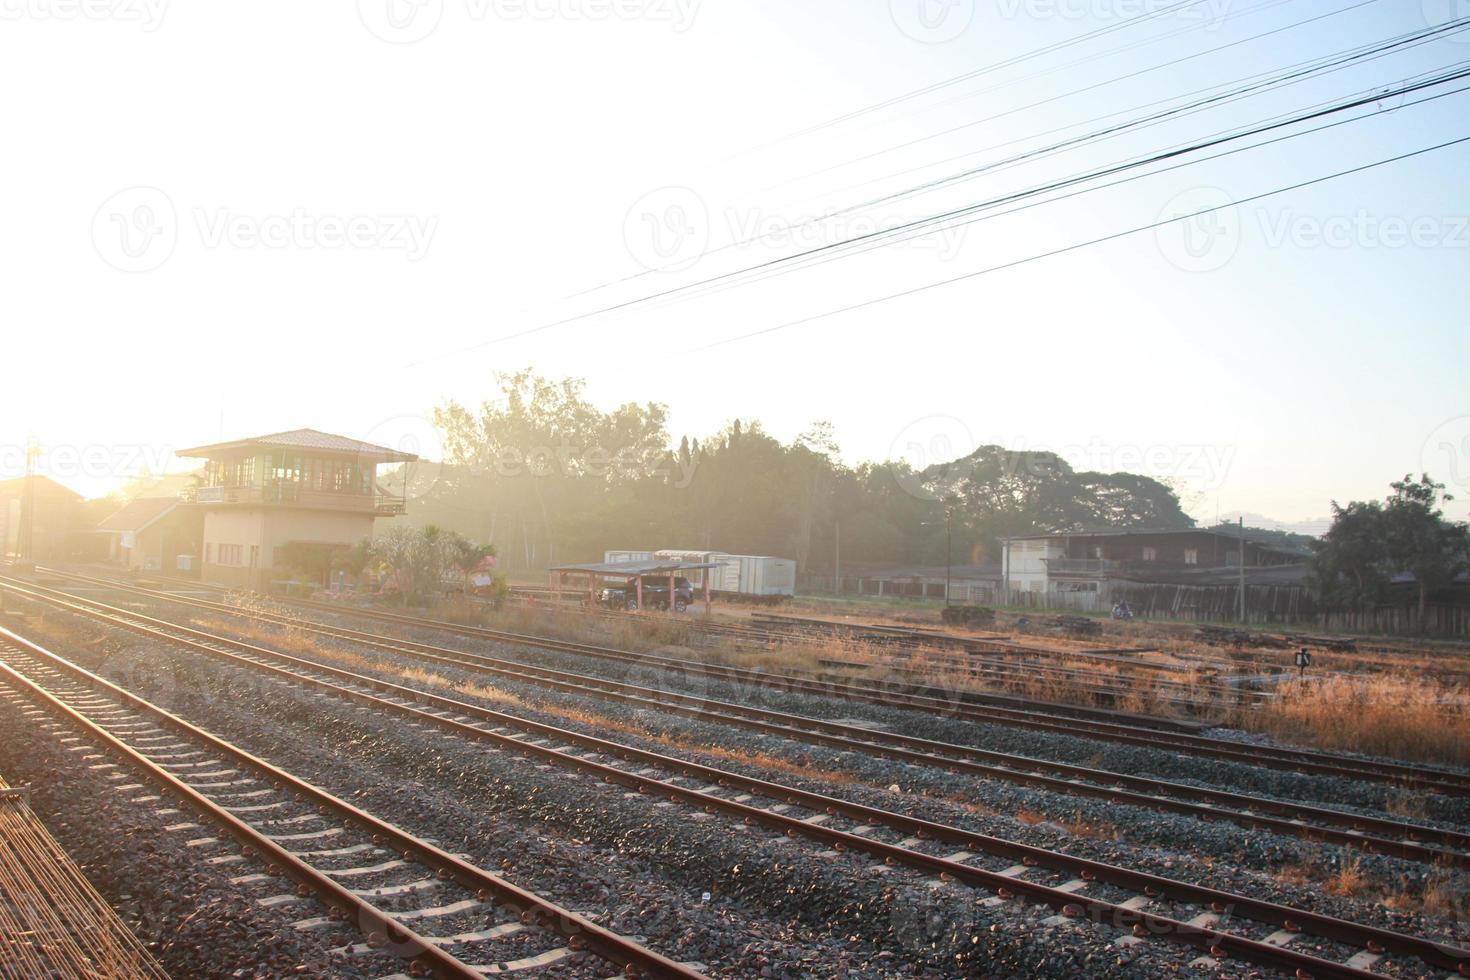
<point x="696" y="575"/>
<point x="762" y="575"/>
<point x="609" y="557"/>
<point x="753" y="575"/>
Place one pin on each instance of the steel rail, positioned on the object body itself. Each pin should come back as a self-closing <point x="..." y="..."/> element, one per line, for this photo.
<point x="580" y="932"/>
<point x="975" y="698"/>
<point x="1101" y="784"/>
<point x="769" y="638"/>
<point x="1303" y="760"/>
<point x="1369" y="938"/>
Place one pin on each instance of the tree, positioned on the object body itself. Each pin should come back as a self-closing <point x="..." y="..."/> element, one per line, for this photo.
<point x="1351" y="566"/>
<point x="1420" y="540"/>
<point x="1371" y="542"/>
<point x="548" y="476"/>
<point x="466" y="556"/>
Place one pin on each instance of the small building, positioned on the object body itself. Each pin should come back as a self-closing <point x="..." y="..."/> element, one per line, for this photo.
<point x="37" y="517"/>
<point x="155" y="534"/>
<point x="270" y="500"/>
<point x="1085" y="561"/>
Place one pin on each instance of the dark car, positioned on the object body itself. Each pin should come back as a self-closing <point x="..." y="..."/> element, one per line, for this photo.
<point x="655" y="594"/>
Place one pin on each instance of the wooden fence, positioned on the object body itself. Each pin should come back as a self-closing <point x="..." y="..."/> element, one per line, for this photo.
<point x="1284" y="605"/>
<point x="1437" y="620"/>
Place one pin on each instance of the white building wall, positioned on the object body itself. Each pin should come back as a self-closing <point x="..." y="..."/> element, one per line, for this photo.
<point x="1025" y="564"/>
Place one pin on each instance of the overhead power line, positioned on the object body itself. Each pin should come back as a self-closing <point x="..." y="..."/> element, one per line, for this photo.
<point x="1035" y="199"/>
<point x="1223" y="93"/>
<point x="1078" y="245"/>
<point x="957" y="212"/>
<point x="1130" y="22"/>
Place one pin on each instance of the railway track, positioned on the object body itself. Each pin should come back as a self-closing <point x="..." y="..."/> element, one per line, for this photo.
<point x="1426" y="778"/>
<point x="763" y="638"/>
<point x="1125" y="905"/>
<point x="1377" y="835"/>
<point x="306" y="836"/>
<point x="934" y="695"/>
<point x="769" y="631"/>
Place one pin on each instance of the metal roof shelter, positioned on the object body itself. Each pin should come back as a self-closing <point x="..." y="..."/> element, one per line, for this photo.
<point x="635" y="571"/>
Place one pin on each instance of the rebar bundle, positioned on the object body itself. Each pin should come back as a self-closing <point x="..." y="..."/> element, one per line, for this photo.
<point x="53" y="923"/>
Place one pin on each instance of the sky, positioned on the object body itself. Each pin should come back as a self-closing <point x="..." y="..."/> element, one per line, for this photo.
<point x="226" y="220"/>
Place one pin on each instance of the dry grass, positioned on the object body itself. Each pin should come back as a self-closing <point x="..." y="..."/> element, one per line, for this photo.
<point x="1401" y="717"/>
<point x="1408" y="805"/>
<point x="763" y="760"/>
<point x="1076" y="825"/>
<point x="1298" y="875"/>
<point x="1438" y="896"/>
<point x="1348" y="881"/>
<point x="1080" y="826"/>
<point x="1059" y="674"/>
<point x="492" y="694"/>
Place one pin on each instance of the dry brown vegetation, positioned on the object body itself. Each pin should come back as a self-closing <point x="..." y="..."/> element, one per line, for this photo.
<point x="1398" y="700"/>
<point x="1401" y="717"/>
<point x="1437" y="895"/>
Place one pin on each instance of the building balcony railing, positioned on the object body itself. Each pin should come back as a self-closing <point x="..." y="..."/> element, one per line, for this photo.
<point x="1080" y="566"/>
<point x="294" y="495"/>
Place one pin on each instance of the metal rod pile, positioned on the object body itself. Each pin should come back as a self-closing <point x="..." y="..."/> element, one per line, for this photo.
<point x="52" y="921"/>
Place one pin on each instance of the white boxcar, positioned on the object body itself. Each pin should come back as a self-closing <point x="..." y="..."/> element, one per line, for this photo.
<point x="762" y="575"/>
<point x="611" y="556"/>
<point x="746" y="575"/>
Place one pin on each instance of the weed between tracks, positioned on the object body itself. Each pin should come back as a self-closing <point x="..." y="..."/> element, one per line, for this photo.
<point x="1438" y="895"/>
<point x="1417" y="713"/>
<point x="1401" y="717"/>
<point x="840" y="657"/>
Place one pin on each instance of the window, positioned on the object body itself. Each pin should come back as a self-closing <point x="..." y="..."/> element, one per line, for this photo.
<point x="254" y="556"/>
<point x="230" y="554"/>
<point x="1191" y="556"/>
<point x="1150" y="554"/>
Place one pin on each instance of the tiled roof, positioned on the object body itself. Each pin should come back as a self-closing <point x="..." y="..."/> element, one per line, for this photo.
<point x="138" y="514"/>
<point x="306" y="439"/>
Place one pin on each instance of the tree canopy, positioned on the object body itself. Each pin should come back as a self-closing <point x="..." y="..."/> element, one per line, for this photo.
<point x="1372" y="542"/>
<point x="550" y="478"/>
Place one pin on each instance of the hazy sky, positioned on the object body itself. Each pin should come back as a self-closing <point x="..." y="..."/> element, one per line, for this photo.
<point x="223" y="220"/>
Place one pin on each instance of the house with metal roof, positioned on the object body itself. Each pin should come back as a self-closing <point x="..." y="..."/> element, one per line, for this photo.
<point x="154" y="534"/>
<point x="267" y="498"/>
<point x="1085" y="561"/>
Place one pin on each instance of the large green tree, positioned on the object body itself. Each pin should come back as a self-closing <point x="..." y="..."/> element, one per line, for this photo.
<point x="1371" y="542"/>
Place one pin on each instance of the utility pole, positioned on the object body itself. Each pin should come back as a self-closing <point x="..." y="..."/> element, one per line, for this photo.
<point x="1242" y="568"/>
<point x="24" y="544"/>
<point x="836" y="556"/>
<point x="948" y="550"/>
